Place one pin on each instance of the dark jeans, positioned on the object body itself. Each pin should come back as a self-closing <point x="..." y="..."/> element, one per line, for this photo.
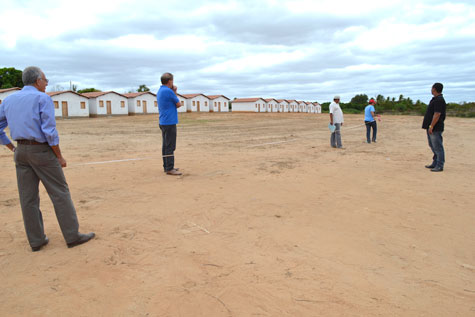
<point x="370" y="125"/>
<point x="35" y="163"/>
<point x="168" y="146"/>
<point x="437" y="146"/>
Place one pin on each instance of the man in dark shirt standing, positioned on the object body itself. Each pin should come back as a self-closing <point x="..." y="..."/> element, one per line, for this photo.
<point x="434" y="124"/>
<point x="168" y="103"/>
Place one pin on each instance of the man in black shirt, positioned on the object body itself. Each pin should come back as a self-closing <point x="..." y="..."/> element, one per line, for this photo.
<point x="434" y="124"/>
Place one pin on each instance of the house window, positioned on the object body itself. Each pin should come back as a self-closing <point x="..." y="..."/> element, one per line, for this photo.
<point x="138" y="103"/>
<point x="194" y="105"/>
<point x="83" y="105"/>
<point x="156" y="104"/>
<point x="206" y="104"/>
<point x="182" y="103"/>
<point x="101" y="103"/>
<point x="56" y="104"/>
<point x="122" y="104"/>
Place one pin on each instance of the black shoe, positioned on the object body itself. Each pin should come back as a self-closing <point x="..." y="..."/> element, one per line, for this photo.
<point x="83" y="238"/>
<point x="38" y="248"/>
<point x="437" y="169"/>
<point x="430" y="166"/>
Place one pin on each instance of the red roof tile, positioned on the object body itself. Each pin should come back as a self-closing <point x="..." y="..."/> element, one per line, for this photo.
<point x="55" y="93"/>
<point x="9" y="89"/>
<point x="96" y="94"/>
<point x="189" y="96"/>
<point x="246" y="99"/>
<point x="136" y="94"/>
<point x="211" y="97"/>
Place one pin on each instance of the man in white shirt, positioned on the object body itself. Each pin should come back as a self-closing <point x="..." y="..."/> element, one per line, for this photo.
<point x="336" y="119"/>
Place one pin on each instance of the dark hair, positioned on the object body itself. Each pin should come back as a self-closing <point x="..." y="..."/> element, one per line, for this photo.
<point x="438" y="87"/>
<point x="166" y="78"/>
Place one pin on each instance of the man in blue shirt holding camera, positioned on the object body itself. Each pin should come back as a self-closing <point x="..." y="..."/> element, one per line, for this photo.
<point x="168" y="104"/>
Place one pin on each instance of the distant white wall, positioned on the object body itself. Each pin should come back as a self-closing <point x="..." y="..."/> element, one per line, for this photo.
<point x="245" y="106"/>
<point x="118" y="104"/>
<point x="75" y="105"/>
<point x="220" y="104"/>
<point x="142" y="104"/>
<point x="183" y="101"/>
<point x="199" y="103"/>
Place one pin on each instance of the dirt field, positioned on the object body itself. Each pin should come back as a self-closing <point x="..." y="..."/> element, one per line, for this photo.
<point x="267" y="220"/>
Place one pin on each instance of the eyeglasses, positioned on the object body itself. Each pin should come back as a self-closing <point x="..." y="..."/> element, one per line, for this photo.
<point x="45" y="79"/>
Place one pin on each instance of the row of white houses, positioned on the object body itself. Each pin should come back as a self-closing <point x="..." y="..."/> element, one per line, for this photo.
<point x="274" y="105"/>
<point x="72" y="104"/>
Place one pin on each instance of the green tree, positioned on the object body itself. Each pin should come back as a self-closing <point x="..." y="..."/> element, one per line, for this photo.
<point x="10" y="77"/>
<point x="325" y="106"/>
<point x="143" y="88"/>
<point x="358" y="102"/>
<point x="80" y="91"/>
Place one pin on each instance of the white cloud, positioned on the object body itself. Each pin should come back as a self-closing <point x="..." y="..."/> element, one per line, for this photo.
<point x="255" y="62"/>
<point x="311" y="47"/>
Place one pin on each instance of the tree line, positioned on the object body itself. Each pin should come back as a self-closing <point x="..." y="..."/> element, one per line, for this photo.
<point x="401" y="105"/>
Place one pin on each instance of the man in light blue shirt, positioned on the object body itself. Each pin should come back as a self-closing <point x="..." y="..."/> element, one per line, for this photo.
<point x="29" y="114"/>
<point x="168" y="103"/>
<point x="370" y="121"/>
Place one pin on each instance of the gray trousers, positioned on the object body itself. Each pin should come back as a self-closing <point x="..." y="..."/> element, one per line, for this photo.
<point x="335" y="138"/>
<point x="35" y="163"/>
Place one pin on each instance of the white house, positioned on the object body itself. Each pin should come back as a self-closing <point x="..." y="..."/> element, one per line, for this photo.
<point x="196" y="103"/>
<point x="293" y="105"/>
<point x="4" y="93"/>
<point x="218" y="103"/>
<point x="142" y="102"/>
<point x="248" y="104"/>
<point x="107" y="103"/>
<point x="271" y="105"/>
<point x="69" y="104"/>
<point x="283" y="105"/>
<point x="318" y="107"/>
<point x="183" y="101"/>
<point x="310" y="107"/>
<point x="302" y="106"/>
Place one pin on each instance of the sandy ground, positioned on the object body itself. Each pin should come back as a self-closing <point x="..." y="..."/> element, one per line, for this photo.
<point x="267" y="220"/>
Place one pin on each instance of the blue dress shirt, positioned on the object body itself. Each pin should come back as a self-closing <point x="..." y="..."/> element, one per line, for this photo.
<point x="30" y="115"/>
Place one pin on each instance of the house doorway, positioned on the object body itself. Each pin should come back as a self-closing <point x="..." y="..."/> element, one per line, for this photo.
<point x="64" y="106"/>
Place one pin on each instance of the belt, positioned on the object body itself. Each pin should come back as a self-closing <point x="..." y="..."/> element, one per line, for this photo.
<point x="30" y="142"/>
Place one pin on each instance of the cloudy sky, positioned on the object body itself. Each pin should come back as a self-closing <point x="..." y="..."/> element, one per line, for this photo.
<point x="305" y="50"/>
